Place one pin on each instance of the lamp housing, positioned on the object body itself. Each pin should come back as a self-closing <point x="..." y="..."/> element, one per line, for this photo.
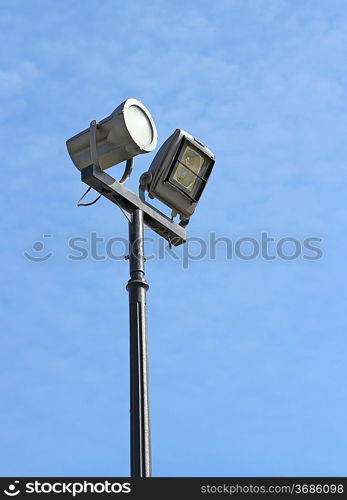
<point x="179" y="173"/>
<point x="128" y="131"/>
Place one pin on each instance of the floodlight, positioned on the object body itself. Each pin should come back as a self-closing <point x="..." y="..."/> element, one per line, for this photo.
<point x="179" y="173"/>
<point x="127" y="132"/>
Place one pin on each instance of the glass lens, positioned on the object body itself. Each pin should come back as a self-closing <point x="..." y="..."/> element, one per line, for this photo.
<point x="184" y="176"/>
<point x="192" y="159"/>
<point x="139" y="125"/>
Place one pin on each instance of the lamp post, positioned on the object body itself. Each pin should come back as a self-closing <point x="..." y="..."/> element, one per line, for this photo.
<point x="137" y="287"/>
<point x="177" y="177"/>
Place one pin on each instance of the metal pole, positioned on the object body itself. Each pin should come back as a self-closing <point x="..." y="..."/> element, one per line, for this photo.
<point x="137" y="286"/>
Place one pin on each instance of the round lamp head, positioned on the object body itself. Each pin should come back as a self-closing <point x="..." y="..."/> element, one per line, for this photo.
<point x="130" y="130"/>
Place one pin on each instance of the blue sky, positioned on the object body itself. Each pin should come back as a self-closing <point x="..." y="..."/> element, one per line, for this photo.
<point x="247" y="358"/>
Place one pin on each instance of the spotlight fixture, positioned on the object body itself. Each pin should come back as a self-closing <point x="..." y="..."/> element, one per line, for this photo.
<point x="179" y="173"/>
<point x="128" y="131"/>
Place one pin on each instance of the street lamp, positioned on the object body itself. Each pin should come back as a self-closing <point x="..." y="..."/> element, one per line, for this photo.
<point x="177" y="177"/>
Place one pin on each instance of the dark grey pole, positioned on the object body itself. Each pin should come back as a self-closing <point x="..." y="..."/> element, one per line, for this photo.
<point x="139" y="400"/>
